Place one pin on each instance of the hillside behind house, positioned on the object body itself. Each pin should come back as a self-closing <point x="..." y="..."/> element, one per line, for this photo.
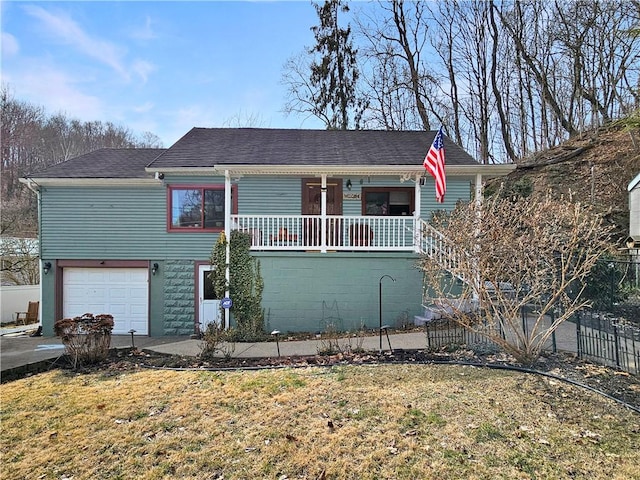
<point x="593" y="168"/>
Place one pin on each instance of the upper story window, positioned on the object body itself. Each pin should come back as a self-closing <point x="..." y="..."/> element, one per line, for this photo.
<point x="393" y="201"/>
<point x="197" y="208"/>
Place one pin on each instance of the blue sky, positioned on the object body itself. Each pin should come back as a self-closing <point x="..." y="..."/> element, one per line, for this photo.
<point x="162" y="67"/>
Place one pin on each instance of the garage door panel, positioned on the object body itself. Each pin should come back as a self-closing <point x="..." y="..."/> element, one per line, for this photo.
<point x="75" y="294"/>
<point x="78" y="309"/>
<point x="121" y="292"/>
<point x="138" y="294"/>
<point x="138" y="309"/>
<point x="118" y="277"/>
<point x="139" y="327"/>
<point x="139" y="276"/>
<point x="117" y="309"/>
<point x="75" y="276"/>
<point x="97" y="293"/>
<point x="95" y="277"/>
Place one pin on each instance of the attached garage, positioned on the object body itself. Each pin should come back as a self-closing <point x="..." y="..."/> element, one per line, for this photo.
<point x="121" y="292"/>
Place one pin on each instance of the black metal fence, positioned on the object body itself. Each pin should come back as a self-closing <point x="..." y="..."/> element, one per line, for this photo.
<point x="600" y="339"/>
<point x="449" y="334"/>
<point x="608" y="341"/>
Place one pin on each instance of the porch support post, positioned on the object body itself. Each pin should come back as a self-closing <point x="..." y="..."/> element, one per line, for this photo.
<point x="227" y="233"/>
<point x="323" y="215"/>
<point x="478" y="189"/>
<point x="416" y="215"/>
<point x="478" y="200"/>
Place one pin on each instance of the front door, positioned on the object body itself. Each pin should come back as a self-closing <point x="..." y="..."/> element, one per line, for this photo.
<point x="312" y="205"/>
<point x="209" y="304"/>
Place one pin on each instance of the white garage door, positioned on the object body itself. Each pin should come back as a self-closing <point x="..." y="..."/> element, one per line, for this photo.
<point x="121" y="292"/>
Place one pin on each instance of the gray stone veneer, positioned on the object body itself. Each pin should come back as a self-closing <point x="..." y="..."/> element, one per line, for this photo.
<point x="179" y="294"/>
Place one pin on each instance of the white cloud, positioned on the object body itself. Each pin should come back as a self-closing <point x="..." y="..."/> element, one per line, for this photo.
<point x="144" y="108"/>
<point x="10" y="45"/>
<point x="53" y="89"/>
<point x="174" y="124"/>
<point x="143" y="68"/>
<point x="66" y="30"/>
<point x="193" y="116"/>
<point x="145" y="32"/>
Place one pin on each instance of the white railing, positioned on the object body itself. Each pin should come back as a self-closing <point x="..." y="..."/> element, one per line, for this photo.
<point x="434" y="244"/>
<point x="332" y="233"/>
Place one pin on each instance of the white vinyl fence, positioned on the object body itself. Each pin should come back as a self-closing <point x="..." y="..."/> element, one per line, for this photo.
<point x="16" y="298"/>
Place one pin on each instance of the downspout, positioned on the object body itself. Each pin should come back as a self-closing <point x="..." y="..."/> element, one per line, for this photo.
<point x="30" y="185"/>
<point x="227" y="233"/>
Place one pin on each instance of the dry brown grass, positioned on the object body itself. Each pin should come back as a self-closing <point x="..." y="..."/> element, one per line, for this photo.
<point x="351" y="422"/>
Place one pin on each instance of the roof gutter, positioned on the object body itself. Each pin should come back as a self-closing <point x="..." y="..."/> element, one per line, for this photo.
<point x="29" y="182"/>
<point x="90" y="182"/>
<point x="497" y="170"/>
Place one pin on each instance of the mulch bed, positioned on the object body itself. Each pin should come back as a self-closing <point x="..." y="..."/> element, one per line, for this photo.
<point x="615" y="383"/>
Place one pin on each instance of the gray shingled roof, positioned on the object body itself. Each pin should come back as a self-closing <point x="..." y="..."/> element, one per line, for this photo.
<point x="104" y="163"/>
<point x="207" y="147"/>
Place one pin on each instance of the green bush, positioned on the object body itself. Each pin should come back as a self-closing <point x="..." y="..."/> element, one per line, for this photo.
<point x="603" y="286"/>
<point x="245" y="285"/>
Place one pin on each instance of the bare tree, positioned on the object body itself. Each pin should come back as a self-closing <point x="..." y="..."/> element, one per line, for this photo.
<point x="507" y="79"/>
<point x="498" y="85"/>
<point x="323" y="82"/>
<point x="396" y="38"/>
<point x="19" y="261"/>
<point x="19" y="139"/>
<point x="31" y="140"/>
<point x="243" y="119"/>
<point x="513" y="253"/>
<point x="463" y="44"/>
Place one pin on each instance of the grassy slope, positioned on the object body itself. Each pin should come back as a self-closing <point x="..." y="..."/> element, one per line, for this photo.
<point x="598" y="175"/>
<point x="367" y="422"/>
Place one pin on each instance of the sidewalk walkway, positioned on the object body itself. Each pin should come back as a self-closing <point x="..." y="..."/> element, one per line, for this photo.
<point x="565" y="339"/>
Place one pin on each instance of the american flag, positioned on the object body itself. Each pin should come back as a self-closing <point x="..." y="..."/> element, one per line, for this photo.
<point x="434" y="163"/>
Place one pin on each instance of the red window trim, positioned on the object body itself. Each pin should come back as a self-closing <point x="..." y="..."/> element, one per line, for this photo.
<point x="215" y="186"/>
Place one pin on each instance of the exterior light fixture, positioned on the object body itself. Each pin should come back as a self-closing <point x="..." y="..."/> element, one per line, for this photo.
<point x="380" y="303"/>
<point x="386" y="331"/>
<point x="349" y="184"/>
<point x="46" y="267"/>
<point x="154" y="268"/>
<point x="275" y="333"/>
<point x="133" y="345"/>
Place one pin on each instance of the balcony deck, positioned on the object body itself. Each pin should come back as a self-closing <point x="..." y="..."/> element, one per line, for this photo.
<point x="330" y="233"/>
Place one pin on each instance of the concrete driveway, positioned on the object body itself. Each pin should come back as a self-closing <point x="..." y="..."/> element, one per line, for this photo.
<point x="18" y="348"/>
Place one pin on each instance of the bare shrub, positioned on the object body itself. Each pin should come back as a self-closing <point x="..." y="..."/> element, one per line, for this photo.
<point x="87" y="338"/>
<point x="216" y="343"/>
<point x="513" y="254"/>
<point x="333" y="342"/>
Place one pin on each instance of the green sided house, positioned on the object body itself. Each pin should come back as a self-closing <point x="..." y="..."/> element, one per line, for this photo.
<point x="130" y="231"/>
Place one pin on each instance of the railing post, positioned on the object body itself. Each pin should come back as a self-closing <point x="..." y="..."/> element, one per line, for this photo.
<point x="617" y="344"/>
<point x="578" y="346"/>
<point x="554" y="348"/>
<point x="417" y="235"/>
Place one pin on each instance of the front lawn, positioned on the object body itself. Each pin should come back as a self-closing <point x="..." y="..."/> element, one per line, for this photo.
<point x="346" y="422"/>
